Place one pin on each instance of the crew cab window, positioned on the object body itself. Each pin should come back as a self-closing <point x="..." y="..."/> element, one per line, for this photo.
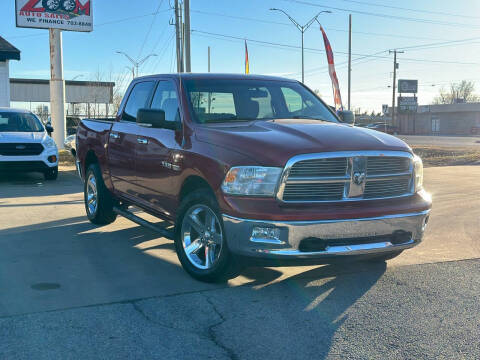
<point x="293" y="100"/>
<point x="138" y="99"/>
<point x="165" y="98"/>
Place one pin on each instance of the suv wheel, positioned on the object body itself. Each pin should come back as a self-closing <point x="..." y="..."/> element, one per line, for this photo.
<point x="98" y="200"/>
<point x="69" y="5"/>
<point x="51" y="5"/>
<point x="51" y="174"/>
<point x="200" y="239"/>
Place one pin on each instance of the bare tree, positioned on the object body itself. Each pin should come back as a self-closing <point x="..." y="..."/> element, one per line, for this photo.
<point x="458" y="92"/>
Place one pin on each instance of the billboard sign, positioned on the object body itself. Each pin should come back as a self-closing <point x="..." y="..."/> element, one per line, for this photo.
<point x="407" y="104"/>
<point x="71" y="15"/>
<point x="407" y="86"/>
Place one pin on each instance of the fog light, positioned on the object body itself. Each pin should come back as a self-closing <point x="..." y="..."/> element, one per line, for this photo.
<point x="266" y="235"/>
<point x="52" y="158"/>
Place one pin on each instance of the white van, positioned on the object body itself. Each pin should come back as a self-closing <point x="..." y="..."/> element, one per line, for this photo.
<point x="25" y="144"/>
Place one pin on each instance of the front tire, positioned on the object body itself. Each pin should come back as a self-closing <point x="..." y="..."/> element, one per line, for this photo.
<point x="51" y="174"/>
<point x="200" y="239"/>
<point x="98" y="200"/>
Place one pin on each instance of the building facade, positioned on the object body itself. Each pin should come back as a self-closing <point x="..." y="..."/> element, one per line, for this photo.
<point x="445" y="119"/>
<point x="7" y="52"/>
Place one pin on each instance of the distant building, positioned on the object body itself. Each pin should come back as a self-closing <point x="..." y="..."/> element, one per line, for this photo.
<point x="7" y="52"/>
<point x="445" y="119"/>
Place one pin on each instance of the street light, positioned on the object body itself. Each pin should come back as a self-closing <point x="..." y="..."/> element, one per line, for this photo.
<point x="136" y="63"/>
<point x="76" y="77"/>
<point x="302" y="30"/>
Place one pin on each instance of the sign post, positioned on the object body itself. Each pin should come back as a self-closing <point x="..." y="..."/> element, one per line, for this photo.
<point x="55" y="15"/>
<point x="57" y="87"/>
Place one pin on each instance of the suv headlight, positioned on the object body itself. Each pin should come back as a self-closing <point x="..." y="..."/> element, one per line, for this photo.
<point x="49" y="143"/>
<point x="418" y="173"/>
<point x="251" y="180"/>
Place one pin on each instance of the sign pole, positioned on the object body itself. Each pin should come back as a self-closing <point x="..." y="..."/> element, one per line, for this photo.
<point x="57" y="87"/>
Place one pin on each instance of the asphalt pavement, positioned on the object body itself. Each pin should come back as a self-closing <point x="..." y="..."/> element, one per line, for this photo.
<point x="71" y="290"/>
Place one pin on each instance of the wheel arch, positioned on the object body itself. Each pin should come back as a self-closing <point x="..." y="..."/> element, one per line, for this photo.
<point x="192" y="183"/>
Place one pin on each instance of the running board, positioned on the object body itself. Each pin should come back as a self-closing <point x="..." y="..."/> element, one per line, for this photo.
<point x="130" y="216"/>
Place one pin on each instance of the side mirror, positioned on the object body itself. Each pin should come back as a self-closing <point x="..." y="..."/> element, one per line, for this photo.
<point x="49" y="128"/>
<point x="346" y="116"/>
<point x="155" y="118"/>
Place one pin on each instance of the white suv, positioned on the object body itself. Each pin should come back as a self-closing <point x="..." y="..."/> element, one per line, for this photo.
<point x="25" y="144"/>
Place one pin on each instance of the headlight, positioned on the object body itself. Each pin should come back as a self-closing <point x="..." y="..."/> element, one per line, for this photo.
<point x="418" y="173"/>
<point x="251" y="180"/>
<point x="49" y="143"/>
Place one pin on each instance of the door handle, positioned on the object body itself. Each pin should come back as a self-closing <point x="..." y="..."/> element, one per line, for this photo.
<point x="114" y="135"/>
<point x="142" y="141"/>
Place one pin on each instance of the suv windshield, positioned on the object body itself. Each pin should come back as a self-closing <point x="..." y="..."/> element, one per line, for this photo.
<point x="19" y="122"/>
<point x="244" y="100"/>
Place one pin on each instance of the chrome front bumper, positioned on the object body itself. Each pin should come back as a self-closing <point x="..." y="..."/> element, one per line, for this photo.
<point x="287" y="245"/>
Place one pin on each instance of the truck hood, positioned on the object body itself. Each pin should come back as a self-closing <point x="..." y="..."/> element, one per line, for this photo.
<point x="273" y="142"/>
<point x="22" y="137"/>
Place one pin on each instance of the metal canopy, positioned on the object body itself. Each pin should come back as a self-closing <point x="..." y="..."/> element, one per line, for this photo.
<point x="34" y="90"/>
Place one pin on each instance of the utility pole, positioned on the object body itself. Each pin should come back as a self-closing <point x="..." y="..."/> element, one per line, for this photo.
<point x="188" y="61"/>
<point x="349" y="58"/>
<point x="178" y="37"/>
<point x="209" y="59"/>
<point x="395" y="67"/>
<point x="302" y="30"/>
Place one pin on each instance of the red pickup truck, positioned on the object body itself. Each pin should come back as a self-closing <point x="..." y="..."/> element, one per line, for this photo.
<point x="243" y="166"/>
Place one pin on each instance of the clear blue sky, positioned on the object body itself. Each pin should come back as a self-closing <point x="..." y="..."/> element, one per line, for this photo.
<point x="87" y="54"/>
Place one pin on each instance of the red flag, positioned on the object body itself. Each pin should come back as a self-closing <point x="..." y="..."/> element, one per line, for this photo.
<point x="331" y="69"/>
<point x="247" y="63"/>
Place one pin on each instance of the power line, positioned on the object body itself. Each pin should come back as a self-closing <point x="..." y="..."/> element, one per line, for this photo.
<point x="150" y="28"/>
<point x="387" y="16"/>
<point x="245" y="18"/>
<point x="238" y="38"/>
<point x="410" y="9"/>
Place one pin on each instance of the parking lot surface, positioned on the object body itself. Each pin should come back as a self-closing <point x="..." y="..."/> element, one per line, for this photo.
<point x="442" y="141"/>
<point x="73" y="290"/>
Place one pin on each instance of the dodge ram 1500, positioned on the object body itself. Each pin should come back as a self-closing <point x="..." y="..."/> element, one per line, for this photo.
<point x="244" y="166"/>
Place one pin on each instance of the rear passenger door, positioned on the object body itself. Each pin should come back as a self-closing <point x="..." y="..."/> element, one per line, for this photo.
<point x="123" y="139"/>
<point x="157" y="160"/>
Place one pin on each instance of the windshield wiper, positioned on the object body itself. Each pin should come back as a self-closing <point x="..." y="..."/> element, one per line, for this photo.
<point x="307" y="117"/>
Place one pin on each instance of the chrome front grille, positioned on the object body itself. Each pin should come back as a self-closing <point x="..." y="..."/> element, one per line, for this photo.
<point x="347" y="176"/>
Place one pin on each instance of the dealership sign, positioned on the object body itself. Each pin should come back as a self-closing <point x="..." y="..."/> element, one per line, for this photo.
<point x="71" y="15"/>
<point x="407" y="86"/>
<point x="407" y="104"/>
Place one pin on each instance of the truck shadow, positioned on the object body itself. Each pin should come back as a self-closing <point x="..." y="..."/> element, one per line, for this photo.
<point x="103" y="265"/>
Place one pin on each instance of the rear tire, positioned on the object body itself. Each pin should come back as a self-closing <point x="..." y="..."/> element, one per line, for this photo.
<point x="98" y="200"/>
<point x="199" y="226"/>
<point x="51" y="174"/>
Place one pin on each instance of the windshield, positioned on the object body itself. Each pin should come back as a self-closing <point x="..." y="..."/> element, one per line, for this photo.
<point x="220" y="101"/>
<point x="19" y="122"/>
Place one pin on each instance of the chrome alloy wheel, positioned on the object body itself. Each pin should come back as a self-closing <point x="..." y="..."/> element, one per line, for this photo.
<point x="202" y="236"/>
<point x="92" y="194"/>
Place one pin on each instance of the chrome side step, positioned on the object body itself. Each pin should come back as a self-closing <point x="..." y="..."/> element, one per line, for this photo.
<point x="142" y="222"/>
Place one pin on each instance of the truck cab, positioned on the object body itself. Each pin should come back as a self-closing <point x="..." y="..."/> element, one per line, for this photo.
<point x="251" y="167"/>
